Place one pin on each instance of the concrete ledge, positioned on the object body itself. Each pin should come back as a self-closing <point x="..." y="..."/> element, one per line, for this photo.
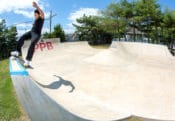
<point x="16" y="68"/>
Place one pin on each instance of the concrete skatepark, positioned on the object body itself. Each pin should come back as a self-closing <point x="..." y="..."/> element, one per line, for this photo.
<point x="76" y="82"/>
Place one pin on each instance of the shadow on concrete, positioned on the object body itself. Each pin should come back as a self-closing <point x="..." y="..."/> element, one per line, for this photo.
<point x="58" y="84"/>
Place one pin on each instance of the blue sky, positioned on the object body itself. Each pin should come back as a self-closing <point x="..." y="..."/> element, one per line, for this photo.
<point x="17" y="11"/>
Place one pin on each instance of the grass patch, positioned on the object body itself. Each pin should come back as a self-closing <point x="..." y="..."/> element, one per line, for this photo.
<point x="10" y="109"/>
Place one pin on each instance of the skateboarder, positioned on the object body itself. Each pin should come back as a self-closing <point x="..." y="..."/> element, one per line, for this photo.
<point x="34" y="35"/>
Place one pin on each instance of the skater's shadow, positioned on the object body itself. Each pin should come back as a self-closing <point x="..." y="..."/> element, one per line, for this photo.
<point x="58" y="84"/>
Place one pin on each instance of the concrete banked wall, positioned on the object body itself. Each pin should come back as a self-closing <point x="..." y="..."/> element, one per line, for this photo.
<point x="39" y="104"/>
<point x="36" y="103"/>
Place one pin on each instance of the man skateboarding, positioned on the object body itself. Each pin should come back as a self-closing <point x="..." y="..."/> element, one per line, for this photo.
<point x="34" y="35"/>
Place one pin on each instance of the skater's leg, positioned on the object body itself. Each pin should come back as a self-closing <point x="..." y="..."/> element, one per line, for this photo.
<point x="20" y="43"/>
<point x="34" y="39"/>
<point x="21" y="40"/>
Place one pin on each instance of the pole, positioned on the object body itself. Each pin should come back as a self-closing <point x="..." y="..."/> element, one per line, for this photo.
<point x="50" y="21"/>
<point x="133" y="11"/>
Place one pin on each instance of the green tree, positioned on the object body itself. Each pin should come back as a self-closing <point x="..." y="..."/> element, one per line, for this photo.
<point x="3" y="44"/>
<point x="90" y="28"/>
<point x="57" y="33"/>
<point x="145" y="15"/>
<point x="114" y="19"/>
<point x="149" y="17"/>
<point x="7" y="40"/>
<point x="168" y="27"/>
<point x="47" y="35"/>
<point x="11" y="38"/>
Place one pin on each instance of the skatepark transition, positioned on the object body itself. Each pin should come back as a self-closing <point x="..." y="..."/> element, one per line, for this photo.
<point x="76" y="82"/>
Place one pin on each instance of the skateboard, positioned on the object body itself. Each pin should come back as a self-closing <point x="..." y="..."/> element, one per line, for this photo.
<point x="21" y="61"/>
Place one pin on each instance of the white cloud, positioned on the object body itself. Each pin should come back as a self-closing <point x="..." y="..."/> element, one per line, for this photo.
<point x="24" y="25"/>
<point x="21" y="32"/>
<point x="20" y="6"/>
<point x="28" y="14"/>
<point x="83" y="11"/>
<point x="24" y="8"/>
<point x="78" y="14"/>
<point x="8" y="6"/>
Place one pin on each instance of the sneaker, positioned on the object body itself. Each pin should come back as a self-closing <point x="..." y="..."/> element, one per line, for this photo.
<point x="13" y="58"/>
<point x="15" y="53"/>
<point x="27" y="63"/>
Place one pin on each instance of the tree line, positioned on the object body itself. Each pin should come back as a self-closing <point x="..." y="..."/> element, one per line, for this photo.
<point x="145" y="17"/>
<point x="8" y="38"/>
<point x="58" y="32"/>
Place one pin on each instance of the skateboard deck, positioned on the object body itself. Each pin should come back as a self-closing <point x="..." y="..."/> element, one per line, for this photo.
<point x="21" y="61"/>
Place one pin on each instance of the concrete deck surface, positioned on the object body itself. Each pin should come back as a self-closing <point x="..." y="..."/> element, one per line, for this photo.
<point x="107" y="84"/>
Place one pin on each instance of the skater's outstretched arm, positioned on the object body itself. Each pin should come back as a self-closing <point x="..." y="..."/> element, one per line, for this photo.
<point x="35" y="5"/>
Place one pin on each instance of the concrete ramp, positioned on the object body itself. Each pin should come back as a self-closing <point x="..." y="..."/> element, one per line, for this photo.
<point x="37" y="104"/>
<point x="128" y="79"/>
<point x="143" y="49"/>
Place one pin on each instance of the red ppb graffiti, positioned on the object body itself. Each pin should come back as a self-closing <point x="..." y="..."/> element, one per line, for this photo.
<point x="44" y="45"/>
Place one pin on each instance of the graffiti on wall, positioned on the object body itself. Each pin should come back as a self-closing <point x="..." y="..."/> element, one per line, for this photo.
<point x="44" y="46"/>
